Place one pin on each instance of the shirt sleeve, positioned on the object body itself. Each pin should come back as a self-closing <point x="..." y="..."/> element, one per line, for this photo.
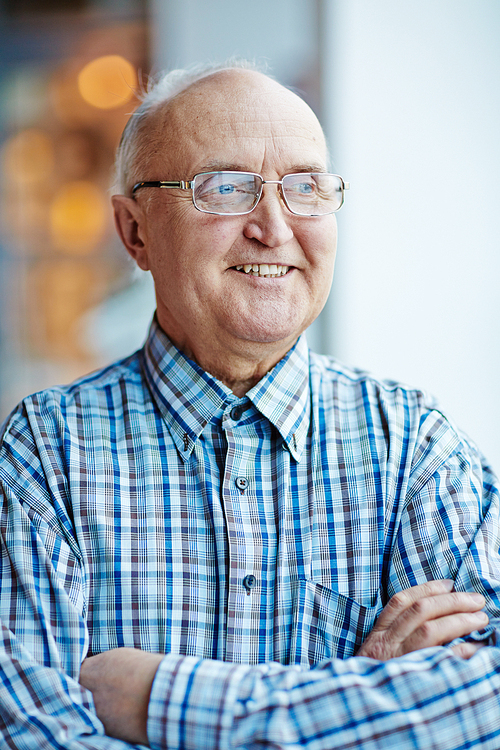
<point x="427" y="699"/>
<point x="449" y="522"/>
<point x="43" y="633"/>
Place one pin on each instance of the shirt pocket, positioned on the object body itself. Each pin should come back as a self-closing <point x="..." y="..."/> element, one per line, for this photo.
<point x="327" y="625"/>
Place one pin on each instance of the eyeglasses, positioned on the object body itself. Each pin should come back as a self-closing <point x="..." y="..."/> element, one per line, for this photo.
<point x="238" y="193"/>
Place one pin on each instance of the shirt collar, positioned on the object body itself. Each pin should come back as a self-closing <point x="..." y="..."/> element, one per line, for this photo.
<point x="188" y="397"/>
<point x="283" y="397"/>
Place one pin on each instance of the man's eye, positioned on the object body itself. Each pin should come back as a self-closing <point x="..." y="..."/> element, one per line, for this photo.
<point x="215" y="187"/>
<point x="304" y="188"/>
<point x="226" y="188"/>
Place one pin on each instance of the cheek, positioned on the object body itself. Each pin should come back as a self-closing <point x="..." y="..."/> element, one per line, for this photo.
<point x="223" y="231"/>
<point x="207" y="234"/>
<point x="319" y="244"/>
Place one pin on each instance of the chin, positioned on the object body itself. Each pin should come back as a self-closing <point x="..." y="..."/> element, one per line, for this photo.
<point x="272" y="326"/>
<point x="284" y="335"/>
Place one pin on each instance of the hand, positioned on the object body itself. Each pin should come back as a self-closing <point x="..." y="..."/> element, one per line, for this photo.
<point x="120" y="681"/>
<point x="431" y="614"/>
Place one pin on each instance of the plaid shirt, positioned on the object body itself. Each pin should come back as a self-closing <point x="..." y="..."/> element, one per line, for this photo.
<point x="254" y="541"/>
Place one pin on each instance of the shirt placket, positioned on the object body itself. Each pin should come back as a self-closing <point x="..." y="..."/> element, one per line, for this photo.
<point x="239" y="496"/>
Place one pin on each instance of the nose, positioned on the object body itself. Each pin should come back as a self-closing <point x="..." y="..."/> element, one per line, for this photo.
<point x="269" y="221"/>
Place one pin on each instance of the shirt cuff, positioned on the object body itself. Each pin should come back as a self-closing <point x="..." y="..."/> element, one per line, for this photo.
<point x="192" y="703"/>
<point x="488" y="635"/>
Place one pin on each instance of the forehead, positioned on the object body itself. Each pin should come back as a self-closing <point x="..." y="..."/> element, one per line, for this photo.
<point x="240" y="120"/>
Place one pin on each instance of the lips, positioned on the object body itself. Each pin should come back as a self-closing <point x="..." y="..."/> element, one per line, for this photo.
<point x="263" y="270"/>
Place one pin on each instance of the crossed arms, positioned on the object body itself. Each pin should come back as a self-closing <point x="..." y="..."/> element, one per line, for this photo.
<point x="427" y="615"/>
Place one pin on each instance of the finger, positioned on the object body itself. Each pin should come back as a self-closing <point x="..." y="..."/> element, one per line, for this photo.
<point x="467" y="649"/>
<point x="433" y="608"/>
<point x="406" y="598"/>
<point x="442" y="630"/>
<point x="406" y="622"/>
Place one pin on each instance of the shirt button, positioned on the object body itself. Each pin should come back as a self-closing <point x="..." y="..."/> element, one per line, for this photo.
<point x="236" y="413"/>
<point x="249" y="582"/>
<point x="241" y="483"/>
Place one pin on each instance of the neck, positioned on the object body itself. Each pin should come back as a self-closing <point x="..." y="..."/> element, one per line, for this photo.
<point x="239" y="382"/>
<point x="238" y="373"/>
<point x="239" y="368"/>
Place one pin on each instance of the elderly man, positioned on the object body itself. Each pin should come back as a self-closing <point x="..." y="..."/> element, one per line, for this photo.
<point x="246" y="544"/>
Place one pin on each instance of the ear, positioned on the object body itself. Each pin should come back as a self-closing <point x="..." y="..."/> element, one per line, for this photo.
<point x="130" y="224"/>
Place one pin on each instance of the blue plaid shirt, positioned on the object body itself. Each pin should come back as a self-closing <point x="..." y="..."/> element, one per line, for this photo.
<point x="254" y="541"/>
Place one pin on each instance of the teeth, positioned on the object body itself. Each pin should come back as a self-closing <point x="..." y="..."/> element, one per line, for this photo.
<point x="263" y="270"/>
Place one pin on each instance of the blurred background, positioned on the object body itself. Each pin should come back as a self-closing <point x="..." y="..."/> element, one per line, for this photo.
<point x="409" y="97"/>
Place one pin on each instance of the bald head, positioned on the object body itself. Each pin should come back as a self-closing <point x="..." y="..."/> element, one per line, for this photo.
<point x="184" y="109"/>
<point x="232" y="106"/>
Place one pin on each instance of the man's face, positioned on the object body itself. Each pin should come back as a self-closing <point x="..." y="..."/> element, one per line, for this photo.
<point x="235" y="120"/>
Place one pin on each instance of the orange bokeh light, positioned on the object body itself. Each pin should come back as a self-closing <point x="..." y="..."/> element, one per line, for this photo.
<point x="78" y="217"/>
<point x="28" y="157"/>
<point x="107" y="82"/>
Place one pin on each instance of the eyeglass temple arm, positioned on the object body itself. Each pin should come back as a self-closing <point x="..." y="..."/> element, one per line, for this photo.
<point x="179" y="184"/>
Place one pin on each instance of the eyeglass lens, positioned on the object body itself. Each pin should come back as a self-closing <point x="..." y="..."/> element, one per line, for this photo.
<point x="306" y="194"/>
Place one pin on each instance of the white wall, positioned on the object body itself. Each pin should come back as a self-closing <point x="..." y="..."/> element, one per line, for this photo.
<point x="279" y="31"/>
<point x="412" y="104"/>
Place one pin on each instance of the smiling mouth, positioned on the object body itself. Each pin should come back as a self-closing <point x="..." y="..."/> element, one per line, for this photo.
<point x="263" y="270"/>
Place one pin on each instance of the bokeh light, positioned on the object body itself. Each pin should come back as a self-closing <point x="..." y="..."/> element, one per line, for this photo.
<point x="61" y="290"/>
<point x="28" y="157"/>
<point x="107" y="82"/>
<point x="78" y="217"/>
<point x="61" y="120"/>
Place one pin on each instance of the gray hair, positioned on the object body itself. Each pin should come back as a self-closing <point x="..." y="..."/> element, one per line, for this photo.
<point x="134" y="144"/>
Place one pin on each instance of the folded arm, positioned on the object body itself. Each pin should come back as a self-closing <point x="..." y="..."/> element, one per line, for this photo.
<point x="428" y="615"/>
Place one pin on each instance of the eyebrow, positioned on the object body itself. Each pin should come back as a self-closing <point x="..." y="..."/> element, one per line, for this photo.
<point x="219" y="166"/>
